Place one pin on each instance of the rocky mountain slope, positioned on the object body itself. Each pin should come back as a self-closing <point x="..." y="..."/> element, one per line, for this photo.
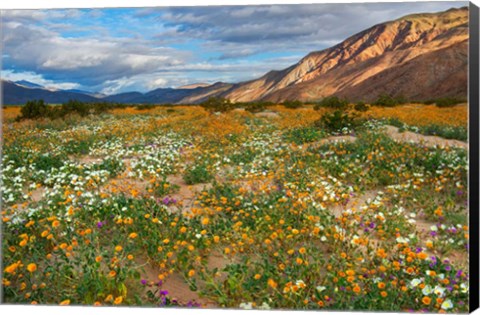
<point x="418" y="56"/>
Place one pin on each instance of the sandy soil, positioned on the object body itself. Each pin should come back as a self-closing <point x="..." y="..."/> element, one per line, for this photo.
<point x="430" y="141"/>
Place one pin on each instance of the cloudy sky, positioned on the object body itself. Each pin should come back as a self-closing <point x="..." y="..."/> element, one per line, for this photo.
<point x="118" y="50"/>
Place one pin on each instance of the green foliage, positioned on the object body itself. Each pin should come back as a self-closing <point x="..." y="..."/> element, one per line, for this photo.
<point x="102" y="107"/>
<point x="389" y="101"/>
<point x="215" y="104"/>
<point x="332" y="102"/>
<point x="335" y="122"/>
<point x="46" y="162"/>
<point x="34" y="109"/>
<point x="196" y="175"/>
<point x="74" y="106"/>
<point x="447" y="132"/>
<point x="244" y="156"/>
<point x="38" y="109"/>
<point x="303" y="135"/>
<point x="80" y="147"/>
<point x="293" y="104"/>
<point x="145" y="106"/>
<point x="255" y="107"/>
<point x="162" y="187"/>
<point x="361" y="107"/>
<point x="112" y="165"/>
<point x="448" y="102"/>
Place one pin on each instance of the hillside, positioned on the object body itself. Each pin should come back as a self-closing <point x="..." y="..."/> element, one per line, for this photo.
<point x="389" y="56"/>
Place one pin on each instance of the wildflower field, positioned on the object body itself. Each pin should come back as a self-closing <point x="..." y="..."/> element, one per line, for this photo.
<point x="175" y="206"/>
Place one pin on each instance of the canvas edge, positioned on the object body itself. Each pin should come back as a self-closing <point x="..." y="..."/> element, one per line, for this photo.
<point x="473" y="95"/>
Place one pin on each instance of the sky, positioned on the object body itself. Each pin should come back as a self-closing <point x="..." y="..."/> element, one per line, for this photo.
<point x="116" y="50"/>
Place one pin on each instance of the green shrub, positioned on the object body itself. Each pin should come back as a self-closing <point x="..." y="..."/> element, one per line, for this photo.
<point x="46" y="162"/>
<point x="74" y="106"/>
<point x="197" y="174"/>
<point x="361" y="107"/>
<point x="215" y="104"/>
<point x="293" y="104"/>
<point x="112" y="165"/>
<point x="34" y="109"/>
<point x="448" y="102"/>
<point x="303" y="135"/>
<point x="447" y="132"/>
<point x="255" y="107"/>
<point x="162" y="187"/>
<point x="144" y="106"/>
<point x="332" y="102"/>
<point x="389" y="101"/>
<point x="102" y="107"/>
<point x="335" y="122"/>
<point x="80" y="147"/>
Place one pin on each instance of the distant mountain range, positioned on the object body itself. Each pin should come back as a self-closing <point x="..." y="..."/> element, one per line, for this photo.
<point x="419" y="56"/>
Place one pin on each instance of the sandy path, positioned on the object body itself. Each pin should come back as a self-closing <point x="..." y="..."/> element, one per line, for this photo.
<point x="430" y="141"/>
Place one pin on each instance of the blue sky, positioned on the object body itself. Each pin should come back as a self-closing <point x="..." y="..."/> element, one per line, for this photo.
<point x="118" y="50"/>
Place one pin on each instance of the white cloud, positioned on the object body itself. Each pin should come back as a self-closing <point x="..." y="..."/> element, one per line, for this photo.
<point x="37" y="79"/>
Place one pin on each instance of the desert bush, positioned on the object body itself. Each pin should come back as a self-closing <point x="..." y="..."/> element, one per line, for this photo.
<point x="143" y="107"/>
<point x="361" y="107"/>
<point x="448" y="102"/>
<point x="293" y="104"/>
<point x="389" y="101"/>
<point x="162" y="187"/>
<point x="255" y="107"/>
<point x="34" y="109"/>
<point x="303" y="135"/>
<point x="447" y="132"/>
<point x="215" y="104"/>
<point x="74" y="106"/>
<point x="112" y="165"/>
<point x="46" y="162"/>
<point x="332" y="102"/>
<point x="196" y="175"/>
<point x="336" y="122"/>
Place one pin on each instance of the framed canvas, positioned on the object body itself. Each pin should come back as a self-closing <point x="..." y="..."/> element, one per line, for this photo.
<point x="256" y="156"/>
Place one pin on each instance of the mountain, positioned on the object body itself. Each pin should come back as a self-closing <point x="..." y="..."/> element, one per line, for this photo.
<point x="193" y="86"/>
<point x="417" y="56"/>
<point x="28" y="84"/>
<point x="15" y="94"/>
<point x="182" y="95"/>
<point x="94" y="94"/>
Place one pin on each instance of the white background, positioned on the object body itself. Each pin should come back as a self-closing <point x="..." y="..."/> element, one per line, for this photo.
<point x="76" y="310"/>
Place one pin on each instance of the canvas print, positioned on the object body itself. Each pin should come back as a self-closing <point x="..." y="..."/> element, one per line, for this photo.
<point x="300" y="157"/>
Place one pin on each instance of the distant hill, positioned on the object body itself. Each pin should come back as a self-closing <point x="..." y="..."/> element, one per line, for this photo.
<point x="28" y="84"/>
<point x="15" y="94"/>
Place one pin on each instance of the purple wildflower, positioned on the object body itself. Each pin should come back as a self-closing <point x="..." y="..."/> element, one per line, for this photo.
<point x="143" y="281"/>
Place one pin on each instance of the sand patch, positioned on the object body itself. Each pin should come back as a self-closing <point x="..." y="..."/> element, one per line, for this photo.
<point x="429" y="141"/>
<point x="267" y="115"/>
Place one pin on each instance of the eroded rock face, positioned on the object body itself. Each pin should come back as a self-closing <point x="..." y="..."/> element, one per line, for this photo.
<point x="388" y="56"/>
